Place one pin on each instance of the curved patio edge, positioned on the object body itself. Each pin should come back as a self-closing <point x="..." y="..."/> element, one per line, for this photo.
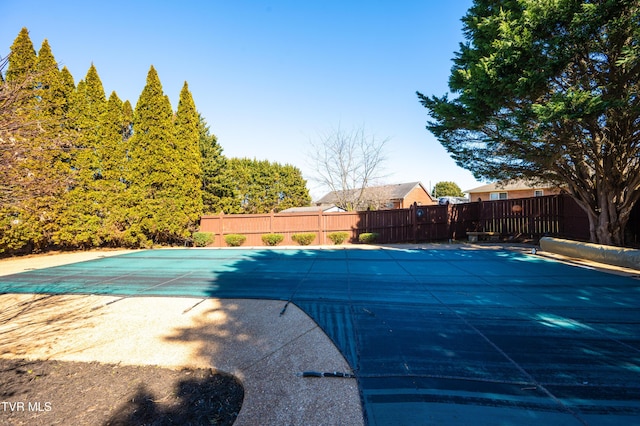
<point x="611" y="255"/>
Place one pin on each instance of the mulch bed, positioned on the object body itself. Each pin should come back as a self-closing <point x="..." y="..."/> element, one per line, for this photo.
<point x="79" y="393"/>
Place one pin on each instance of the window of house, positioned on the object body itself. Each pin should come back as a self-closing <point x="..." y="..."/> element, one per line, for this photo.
<point x="498" y="196"/>
<point x="538" y="193"/>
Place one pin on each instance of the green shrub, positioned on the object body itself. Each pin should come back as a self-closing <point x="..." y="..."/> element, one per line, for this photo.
<point x="272" y="239"/>
<point x="202" y="239"/>
<point x="304" y="239"/>
<point x="235" y="240"/>
<point x="338" y="237"/>
<point x="368" y="237"/>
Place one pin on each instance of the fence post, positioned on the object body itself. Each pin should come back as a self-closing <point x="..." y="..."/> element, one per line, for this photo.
<point x="449" y="221"/>
<point x="271" y="221"/>
<point x="413" y="211"/>
<point x="561" y="215"/>
<point x="221" y="229"/>
<point x="320" y="233"/>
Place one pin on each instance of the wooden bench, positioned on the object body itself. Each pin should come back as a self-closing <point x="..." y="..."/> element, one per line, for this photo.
<point x="474" y="237"/>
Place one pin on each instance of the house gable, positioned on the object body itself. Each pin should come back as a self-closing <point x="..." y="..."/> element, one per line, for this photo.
<point x="418" y="195"/>
<point x="511" y="190"/>
<point x="396" y="196"/>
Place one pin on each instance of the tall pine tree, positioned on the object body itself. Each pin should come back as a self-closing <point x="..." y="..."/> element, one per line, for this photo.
<point x="116" y="131"/>
<point x="50" y="89"/>
<point x="68" y="90"/>
<point x="82" y="215"/>
<point x="36" y="173"/>
<point x="127" y="121"/>
<point x="22" y="61"/>
<point x="217" y="188"/>
<point x="20" y="226"/>
<point x="189" y="191"/>
<point x="157" y="208"/>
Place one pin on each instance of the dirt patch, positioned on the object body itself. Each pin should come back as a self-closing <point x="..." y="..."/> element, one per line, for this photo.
<point x="57" y="392"/>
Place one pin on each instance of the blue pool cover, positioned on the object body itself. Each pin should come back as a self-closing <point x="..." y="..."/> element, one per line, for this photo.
<point x="444" y="337"/>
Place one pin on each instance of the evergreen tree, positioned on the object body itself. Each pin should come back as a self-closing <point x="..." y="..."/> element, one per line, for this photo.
<point x="116" y="130"/>
<point x="22" y="60"/>
<point x="35" y="173"/>
<point x="156" y="179"/>
<point x="18" y="225"/>
<point x="238" y="172"/>
<point x="49" y="90"/>
<point x="55" y="135"/>
<point x="217" y="190"/>
<point x="67" y="89"/>
<point x="127" y="121"/>
<point x="262" y="186"/>
<point x="74" y="112"/>
<point x="81" y="218"/>
<point x="548" y="91"/>
<point x="113" y="162"/>
<point x="291" y="188"/>
<point x="189" y="191"/>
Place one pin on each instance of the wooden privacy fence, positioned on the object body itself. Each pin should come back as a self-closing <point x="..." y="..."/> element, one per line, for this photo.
<point x="534" y="217"/>
<point x="537" y="216"/>
<point x="253" y="226"/>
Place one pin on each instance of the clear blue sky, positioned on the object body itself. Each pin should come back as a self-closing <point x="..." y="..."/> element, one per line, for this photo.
<point x="270" y="76"/>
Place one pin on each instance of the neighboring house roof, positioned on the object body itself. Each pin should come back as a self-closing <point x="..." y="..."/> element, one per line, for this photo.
<point x="389" y="192"/>
<point x="326" y="208"/>
<point x="509" y="186"/>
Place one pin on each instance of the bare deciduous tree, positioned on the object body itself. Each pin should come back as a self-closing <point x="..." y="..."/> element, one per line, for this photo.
<point x="347" y="162"/>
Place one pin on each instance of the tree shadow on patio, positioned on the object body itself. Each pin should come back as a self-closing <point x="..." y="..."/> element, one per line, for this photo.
<point x="212" y="399"/>
<point x="28" y="321"/>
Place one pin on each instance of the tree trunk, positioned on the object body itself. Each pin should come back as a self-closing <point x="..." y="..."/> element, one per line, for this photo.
<point x="607" y="222"/>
